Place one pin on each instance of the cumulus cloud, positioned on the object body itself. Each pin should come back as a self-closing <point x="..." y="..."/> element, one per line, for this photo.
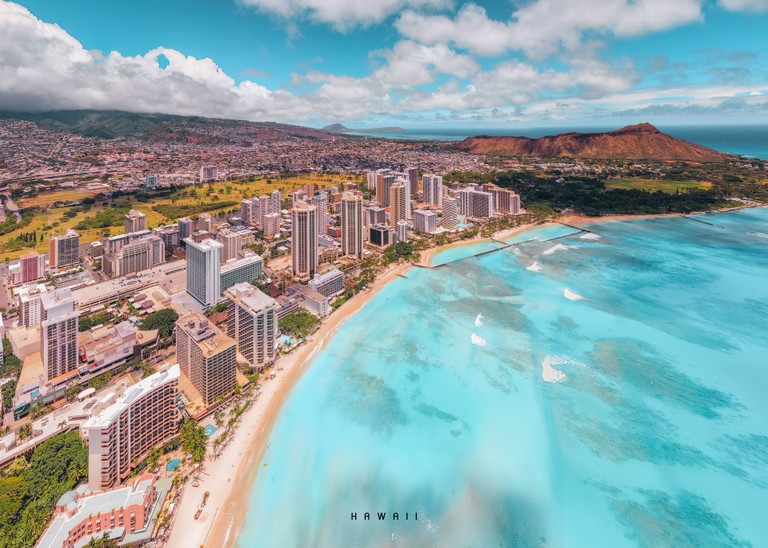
<point x="342" y="14"/>
<point x="542" y="27"/>
<point x="745" y="5"/>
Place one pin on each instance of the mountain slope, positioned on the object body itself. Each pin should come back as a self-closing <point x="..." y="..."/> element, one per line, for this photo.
<point x="642" y="141"/>
<point x="110" y="124"/>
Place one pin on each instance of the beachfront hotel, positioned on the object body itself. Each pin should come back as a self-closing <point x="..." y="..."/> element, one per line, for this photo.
<point x="122" y="514"/>
<point x="252" y="323"/>
<point x="352" y="224"/>
<point x="144" y="417"/>
<point x="450" y="218"/>
<point x="64" y="250"/>
<point x="204" y="268"/>
<point x="304" y="240"/>
<point x="58" y="334"/>
<point x="207" y="357"/>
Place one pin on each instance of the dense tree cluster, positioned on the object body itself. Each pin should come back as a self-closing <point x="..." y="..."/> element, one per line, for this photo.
<point x="299" y="324"/>
<point x="162" y="320"/>
<point x="193" y="440"/>
<point x="29" y="490"/>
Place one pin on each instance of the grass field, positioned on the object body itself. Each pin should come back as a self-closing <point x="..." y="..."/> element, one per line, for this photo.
<point x="229" y="191"/>
<point x="652" y="185"/>
<point x="50" y="198"/>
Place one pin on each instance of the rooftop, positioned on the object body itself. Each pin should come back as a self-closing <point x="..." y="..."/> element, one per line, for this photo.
<point x="133" y="393"/>
<point x="207" y="336"/>
<point x="79" y="507"/>
<point x="250" y="297"/>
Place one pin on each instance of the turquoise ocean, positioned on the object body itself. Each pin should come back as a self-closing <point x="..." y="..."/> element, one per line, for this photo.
<point x="604" y="388"/>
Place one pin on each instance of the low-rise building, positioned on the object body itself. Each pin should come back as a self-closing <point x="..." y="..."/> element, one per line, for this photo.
<point x="104" y="345"/>
<point x="328" y="284"/>
<point x="120" y="514"/>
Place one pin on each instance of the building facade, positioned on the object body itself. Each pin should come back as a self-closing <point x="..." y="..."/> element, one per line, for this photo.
<point x="433" y="189"/>
<point x="207" y="357"/>
<point x="424" y="221"/>
<point x="252" y="323"/>
<point x="135" y="221"/>
<point x="204" y="270"/>
<point x="450" y="218"/>
<point x="352" y="225"/>
<point x="304" y="240"/>
<point x="122" y="435"/>
<point x="64" y="250"/>
<point x="58" y="333"/>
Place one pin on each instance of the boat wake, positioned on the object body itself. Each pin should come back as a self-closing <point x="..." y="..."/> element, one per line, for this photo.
<point x="478" y="340"/>
<point x="571" y="295"/>
<point x="479" y="321"/>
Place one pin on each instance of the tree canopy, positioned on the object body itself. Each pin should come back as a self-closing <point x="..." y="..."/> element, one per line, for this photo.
<point x="162" y="320"/>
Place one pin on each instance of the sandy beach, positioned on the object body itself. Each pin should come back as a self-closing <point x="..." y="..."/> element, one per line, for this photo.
<point x="428" y="254"/>
<point x="229" y="477"/>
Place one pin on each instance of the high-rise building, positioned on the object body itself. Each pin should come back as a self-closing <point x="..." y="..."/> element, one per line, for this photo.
<point x="397" y="205"/>
<point x="375" y="216"/>
<point x="122" y="434"/>
<point x="207" y="357"/>
<point x="186" y="228"/>
<point x="204" y="270"/>
<point x="298" y="195"/>
<point x="475" y="203"/>
<point x="135" y="256"/>
<point x="58" y="333"/>
<point x="433" y="189"/>
<point x="401" y="230"/>
<point x="271" y="224"/>
<point x="64" y="250"/>
<point x="232" y="244"/>
<point x="151" y="182"/>
<point x="304" y="240"/>
<point x="135" y="221"/>
<point x="252" y="323"/>
<point x="504" y="200"/>
<point x="31" y="268"/>
<point x="309" y="188"/>
<point x="352" y="224"/>
<point x="276" y="201"/>
<point x="205" y="222"/>
<point x="450" y="220"/>
<point x="246" y="211"/>
<point x="320" y="201"/>
<point x="413" y="180"/>
<point x="209" y="173"/>
<point x="30" y="305"/>
<point x="424" y="221"/>
<point x="383" y="184"/>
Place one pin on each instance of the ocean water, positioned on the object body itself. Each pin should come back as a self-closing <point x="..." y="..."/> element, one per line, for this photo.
<point x="751" y="141"/>
<point x="604" y="388"/>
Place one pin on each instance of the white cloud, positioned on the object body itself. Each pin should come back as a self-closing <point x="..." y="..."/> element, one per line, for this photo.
<point x="542" y="27"/>
<point x="342" y="14"/>
<point x="744" y="5"/>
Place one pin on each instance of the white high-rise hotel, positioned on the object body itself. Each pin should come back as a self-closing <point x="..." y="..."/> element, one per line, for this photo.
<point x="204" y="270"/>
<point x="352" y="224"/>
<point x="304" y="240"/>
<point x="252" y="323"/>
<point x="58" y="334"/>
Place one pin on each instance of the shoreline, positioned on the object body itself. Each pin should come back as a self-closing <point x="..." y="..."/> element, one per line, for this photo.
<point x="222" y="519"/>
<point x="224" y="514"/>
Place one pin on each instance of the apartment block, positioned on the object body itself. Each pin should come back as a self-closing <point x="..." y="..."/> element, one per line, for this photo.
<point x="252" y="323"/>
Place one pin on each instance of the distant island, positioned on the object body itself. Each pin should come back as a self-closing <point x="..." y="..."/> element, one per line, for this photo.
<point x="641" y="141"/>
<point x="339" y="128"/>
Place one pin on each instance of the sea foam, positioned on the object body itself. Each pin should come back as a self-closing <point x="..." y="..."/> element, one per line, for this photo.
<point x="589" y="236"/>
<point x="479" y="321"/>
<point x="557" y="247"/>
<point x="478" y="340"/>
<point x="549" y="373"/>
<point x="571" y="295"/>
<point x="535" y="267"/>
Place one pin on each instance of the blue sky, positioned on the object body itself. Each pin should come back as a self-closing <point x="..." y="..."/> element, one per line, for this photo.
<point x="414" y="63"/>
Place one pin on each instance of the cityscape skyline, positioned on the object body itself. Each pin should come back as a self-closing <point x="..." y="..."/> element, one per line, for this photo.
<point x="418" y="62"/>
